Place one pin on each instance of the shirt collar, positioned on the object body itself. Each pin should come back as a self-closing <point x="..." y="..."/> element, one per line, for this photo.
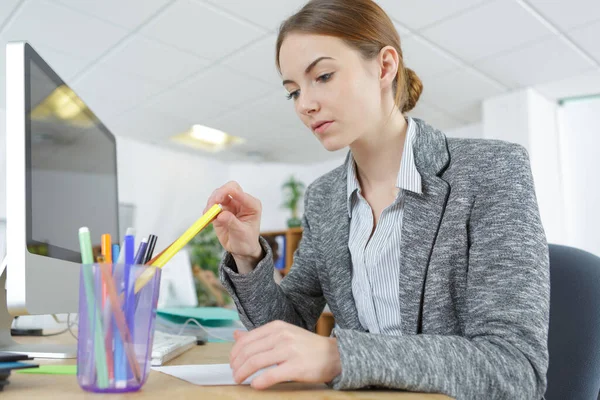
<point x="408" y="176"/>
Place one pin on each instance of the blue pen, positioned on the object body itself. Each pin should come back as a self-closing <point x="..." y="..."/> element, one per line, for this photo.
<point x="141" y="253"/>
<point x="120" y="360"/>
<point x="115" y="253"/>
<point x="129" y="300"/>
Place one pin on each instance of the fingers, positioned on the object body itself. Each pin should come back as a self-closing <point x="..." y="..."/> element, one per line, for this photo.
<point x="284" y="372"/>
<point x="232" y="190"/>
<point x="257" y="362"/>
<point x="251" y="349"/>
<point x="249" y="337"/>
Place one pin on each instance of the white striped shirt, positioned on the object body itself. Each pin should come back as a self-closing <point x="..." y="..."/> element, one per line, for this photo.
<point x="376" y="262"/>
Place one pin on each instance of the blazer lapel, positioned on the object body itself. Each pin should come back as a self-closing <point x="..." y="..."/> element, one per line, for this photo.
<point x="422" y="217"/>
<point x="335" y="237"/>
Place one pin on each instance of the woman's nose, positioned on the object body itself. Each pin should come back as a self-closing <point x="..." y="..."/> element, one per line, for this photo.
<point x="308" y="105"/>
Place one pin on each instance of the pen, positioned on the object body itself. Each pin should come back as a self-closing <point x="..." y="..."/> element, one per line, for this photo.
<point x="106" y="249"/>
<point x="121" y="323"/>
<point x="178" y="244"/>
<point x="151" y="244"/>
<point x="130" y="232"/>
<point x="129" y="302"/>
<point x="122" y="373"/>
<point x="115" y="252"/>
<point x="141" y="253"/>
<point x="87" y="258"/>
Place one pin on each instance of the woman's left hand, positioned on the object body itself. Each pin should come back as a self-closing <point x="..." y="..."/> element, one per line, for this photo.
<point x="295" y="354"/>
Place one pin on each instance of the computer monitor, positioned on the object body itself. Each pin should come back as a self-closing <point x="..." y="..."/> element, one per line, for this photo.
<point x="61" y="175"/>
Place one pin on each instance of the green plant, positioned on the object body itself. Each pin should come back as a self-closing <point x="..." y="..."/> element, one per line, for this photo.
<point x="292" y="191"/>
<point x="205" y="254"/>
<point x="206" y="250"/>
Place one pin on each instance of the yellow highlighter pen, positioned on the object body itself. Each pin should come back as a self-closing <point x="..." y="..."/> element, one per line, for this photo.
<point x="177" y="245"/>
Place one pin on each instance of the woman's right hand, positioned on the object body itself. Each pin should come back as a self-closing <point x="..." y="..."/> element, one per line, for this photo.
<point x="238" y="225"/>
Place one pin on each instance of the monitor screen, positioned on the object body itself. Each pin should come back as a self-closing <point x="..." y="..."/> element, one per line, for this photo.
<point x="71" y="167"/>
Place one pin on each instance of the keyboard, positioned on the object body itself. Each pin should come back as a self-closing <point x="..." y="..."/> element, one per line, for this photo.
<point x="166" y="347"/>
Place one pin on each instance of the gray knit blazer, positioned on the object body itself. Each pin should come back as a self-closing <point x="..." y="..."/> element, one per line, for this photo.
<point x="474" y="277"/>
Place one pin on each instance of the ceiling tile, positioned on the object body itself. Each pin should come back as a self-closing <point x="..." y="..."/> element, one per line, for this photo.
<point x="155" y="61"/>
<point x="43" y="23"/>
<point x="257" y="61"/>
<point x="458" y="89"/>
<point x="435" y="117"/>
<point x="201" y="29"/>
<point x="421" y="13"/>
<point x="148" y="124"/>
<point x="127" y="14"/>
<point x="544" y="61"/>
<point x="267" y="13"/>
<point x="212" y="93"/>
<point x="6" y="7"/>
<point x="424" y="59"/>
<point x="65" y="65"/>
<point x="194" y="108"/>
<point x="568" y="14"/>
<point x="585" y="84"/>
<point x="108" y="93"/>
<point x="487" y="30"/>
<point x="587" y="37"/>
<point x="225" y="86"/>
<point x="402" y="30"/>
<point x="270" y="110"/>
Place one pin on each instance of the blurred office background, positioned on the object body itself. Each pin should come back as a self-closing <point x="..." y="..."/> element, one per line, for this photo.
<point x="526" y="71"/>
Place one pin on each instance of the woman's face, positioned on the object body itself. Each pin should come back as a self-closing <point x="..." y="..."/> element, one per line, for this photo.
<point x="336" y="93"/>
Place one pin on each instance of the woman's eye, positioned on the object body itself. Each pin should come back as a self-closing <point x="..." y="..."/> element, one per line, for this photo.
<point x="325" y="77"/>
<point x="293" y="95"/>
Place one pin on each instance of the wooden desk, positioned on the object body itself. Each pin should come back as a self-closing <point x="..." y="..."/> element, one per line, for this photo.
<point x="161" y="386"/>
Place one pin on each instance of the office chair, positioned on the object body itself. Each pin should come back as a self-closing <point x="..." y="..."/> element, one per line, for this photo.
<point x="574" y="335"/>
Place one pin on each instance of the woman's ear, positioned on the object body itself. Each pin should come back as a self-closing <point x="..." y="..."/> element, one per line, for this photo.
<point x="388" y="65"/>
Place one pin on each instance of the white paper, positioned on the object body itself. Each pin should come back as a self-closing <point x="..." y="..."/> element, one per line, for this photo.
<point x="204" y="375"/>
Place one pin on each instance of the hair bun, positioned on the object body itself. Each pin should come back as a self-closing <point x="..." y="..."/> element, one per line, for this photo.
<point x="414" y="87"/>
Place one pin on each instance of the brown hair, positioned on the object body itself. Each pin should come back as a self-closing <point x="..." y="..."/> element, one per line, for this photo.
<point x="364" y="26"/>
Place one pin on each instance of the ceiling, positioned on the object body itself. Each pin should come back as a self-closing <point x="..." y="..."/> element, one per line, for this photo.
<point x="150" y="69"/>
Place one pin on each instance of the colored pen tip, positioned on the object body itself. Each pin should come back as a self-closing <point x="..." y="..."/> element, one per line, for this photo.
<point x="145" y="240"/>
<point x="84" y="229"/>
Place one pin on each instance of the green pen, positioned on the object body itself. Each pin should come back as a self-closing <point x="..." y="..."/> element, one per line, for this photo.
<point x="87" y="257"/>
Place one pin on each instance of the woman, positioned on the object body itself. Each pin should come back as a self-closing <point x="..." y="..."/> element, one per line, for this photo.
<point x="428" y="250"/>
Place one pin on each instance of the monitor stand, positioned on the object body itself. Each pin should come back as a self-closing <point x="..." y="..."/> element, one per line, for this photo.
<point x="40" y="350"/>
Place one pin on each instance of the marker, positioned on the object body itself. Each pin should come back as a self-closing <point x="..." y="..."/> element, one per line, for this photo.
<point x="107" y="257"/>
<point x="115" y="252"/>
<point x="140" y="256"/>
<point x="125" y="335"/>
<point x="121" y="259"/>
<point x="151" y="244"/>
<point x="87" y="258"/>
<point x="107" y="248"/>
<point x="129" y="303"/>
<point x="177" y="245"/>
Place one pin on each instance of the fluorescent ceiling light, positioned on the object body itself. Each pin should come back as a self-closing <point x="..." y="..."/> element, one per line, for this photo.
<point x="206" y="138"/>
<point x="209" y="135"/>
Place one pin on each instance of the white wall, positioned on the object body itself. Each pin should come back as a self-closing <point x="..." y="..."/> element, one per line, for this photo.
<point x="579" y="152"/>
<point x="2" y="163"/>
<point x="168" y="188"/>
<point x="471" y="131"/>
<point x="264" y="181"/>
<point x="529" y="119"/>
